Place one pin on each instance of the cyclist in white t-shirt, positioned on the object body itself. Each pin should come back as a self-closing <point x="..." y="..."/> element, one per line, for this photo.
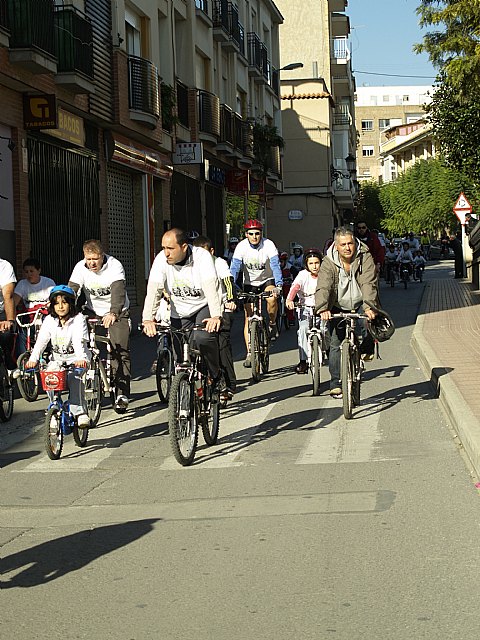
<point x="102" y="279"/>
<point x="189" y="277"/>
<point x="7" y="311"/>
<point x="258" y="259"/>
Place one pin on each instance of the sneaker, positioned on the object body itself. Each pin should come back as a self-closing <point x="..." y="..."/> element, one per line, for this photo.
<point x="220" y="383"/>
<point x="121" y="404"/>
<point x="367" y="357"/>
<point x="302" y="367"/>
<point x="153" y="368"/>
<point x="336" y="393"/>
<point x="291" y="323"/>
<point x="83" y="421"/>
<point x="247" y="363"/>
<point x="16" y="373"/>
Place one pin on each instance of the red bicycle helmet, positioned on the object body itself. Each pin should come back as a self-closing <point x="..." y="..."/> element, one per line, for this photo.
<point x="253" y="224"/>
<point x="283" y="255"/>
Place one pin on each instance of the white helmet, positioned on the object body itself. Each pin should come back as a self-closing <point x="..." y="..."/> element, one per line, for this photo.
<point x="233" y="239"/>
<point x="297" y="246"/>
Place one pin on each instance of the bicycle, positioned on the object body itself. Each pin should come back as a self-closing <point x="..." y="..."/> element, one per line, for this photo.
<point x="351" y="365"/>
<point x="6" y="390"/>
<point x="28" y="380"/>
<point x="59" y="421"/>
<point x="193" y="400"/>
<point x="418" y="273"/>
<point x="404" y="273"/>
<point x="165" y="362"/>
<point x="317" y="349"/>
<point x="98" y="376"/>
<point x="258" y="334"/>
<point x="390" y="272"/>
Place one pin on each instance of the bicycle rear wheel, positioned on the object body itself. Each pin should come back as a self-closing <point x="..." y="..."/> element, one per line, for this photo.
<point x="6" y="395"/>
<point x="182" y="419"/>
<point x="315" y="364"/>
<point x="28" y="381"/>
<point x="93" y="394"/>
<point x="347" y="378"/>
<point x="80" y="435"/>
<point x="53" y="434"/>
<point x="164" y="374"/>
<point x="357" y="372"/>
<point x="254" y="330"/>
<point x="211" y="413"/>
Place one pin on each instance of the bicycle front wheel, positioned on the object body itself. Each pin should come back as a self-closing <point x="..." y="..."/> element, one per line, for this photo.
<point x="53" y="434"/>
<point x="28" y="381"/>
<point x="79" y="435"/>
<point x="255" y="349"/>
<point x="347" y="378"/>
<point x="315" y="364"/>
<point x="93" y="394"/>
<point x="211" y="413"/>
<point x="264" y="348"/>
<point x="6" y="395"/>
<point x="357" y="372"/>
<point x="182" y="419"/>
<point x="164" y="374"/>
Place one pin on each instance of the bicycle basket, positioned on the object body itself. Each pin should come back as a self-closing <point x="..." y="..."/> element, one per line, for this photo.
<point x="54" y="380"/>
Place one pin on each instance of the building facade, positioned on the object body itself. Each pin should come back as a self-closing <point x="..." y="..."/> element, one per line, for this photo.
<point x="120" y="120"/>
<point x="377" y="111"/>
<point x="404" y="145"/>
<point x="318" y="124"/>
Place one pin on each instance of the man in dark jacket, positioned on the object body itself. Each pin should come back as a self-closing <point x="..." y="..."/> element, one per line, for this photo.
<point x="456" y="245"/>
<point x="370" y="238"/>
<point x="347" y="280"/>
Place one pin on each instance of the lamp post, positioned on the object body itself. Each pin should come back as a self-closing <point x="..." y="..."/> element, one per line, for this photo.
<point x="292" y="66"/>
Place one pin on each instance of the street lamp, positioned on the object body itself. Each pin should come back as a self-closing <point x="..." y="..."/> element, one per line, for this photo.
<point x="292" y="66"/>
<point x="11" y="144"/>
<point x="337" y="173"/>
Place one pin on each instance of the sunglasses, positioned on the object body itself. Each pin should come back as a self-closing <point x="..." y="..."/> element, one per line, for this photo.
<point x="361" y="227"/>
<point x="253" y="233"/>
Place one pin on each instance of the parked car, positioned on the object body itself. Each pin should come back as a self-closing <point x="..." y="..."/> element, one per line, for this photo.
<point x="436" y="251"/>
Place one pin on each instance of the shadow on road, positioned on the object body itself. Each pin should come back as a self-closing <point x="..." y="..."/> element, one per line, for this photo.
<point x="12" y="458"/>
<point x="53" y="559"/>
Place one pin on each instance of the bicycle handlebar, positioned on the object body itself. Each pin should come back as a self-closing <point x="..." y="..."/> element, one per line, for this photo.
<point x="348" y="315"/>
<point x="37" y="313"/>
<point x="263" y="294"/>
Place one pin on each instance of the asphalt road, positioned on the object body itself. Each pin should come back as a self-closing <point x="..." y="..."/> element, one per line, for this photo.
<point x="298" y="524"/>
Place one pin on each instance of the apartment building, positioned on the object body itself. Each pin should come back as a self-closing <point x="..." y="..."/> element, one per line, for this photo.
<point x="404" y="145"/>
<point x="318" y="124"/>
<point x="377" y="111"/>
<point x="122" y="119"/>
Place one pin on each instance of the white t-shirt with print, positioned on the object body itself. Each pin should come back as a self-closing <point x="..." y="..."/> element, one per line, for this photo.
<point x="308" y="286"/>
<point x="97" y="286"/>
<point x="69" y="342"/>
<point x="7" y="276"/>
<point x="34" y="295"/>
<point x="256" y="261"/>
<point x="184" y="283"/>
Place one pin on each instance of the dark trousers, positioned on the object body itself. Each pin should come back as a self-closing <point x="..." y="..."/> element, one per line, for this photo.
<point x="7" y="343"/>
<point x="207" y="343"/>
<point x="226" y="355"/>
<point x="337" y="335"/>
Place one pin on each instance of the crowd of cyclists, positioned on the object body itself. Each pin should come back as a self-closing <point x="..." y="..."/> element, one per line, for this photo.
<point x="189" y="287"/>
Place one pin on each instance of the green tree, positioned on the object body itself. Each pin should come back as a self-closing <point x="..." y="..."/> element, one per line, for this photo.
<point x="369" y="207"/>
<point x="235" y="212"/>
<point x="422" y="198"/>
<point x="454" y="43"/>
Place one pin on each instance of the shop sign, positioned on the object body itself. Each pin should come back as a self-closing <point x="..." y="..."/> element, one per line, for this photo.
<point x="188" y="153"/>
<point x="40" y="111"/>
<point x="133" y="155"/>
<point x="237" y="181"/>
<point x="257" y="187"/>
<point x="70" y="128"/>
<point x="295" y="214"/>
<point x="216" y="175"/>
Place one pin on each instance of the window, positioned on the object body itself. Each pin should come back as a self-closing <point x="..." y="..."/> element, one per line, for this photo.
<point x="367" y="151"/>
<point x="383" y="123"/>
<point x="386" y="98"/>
<point x="373" y="100"/>
<point x="406" y="99"/>
<point x="367" y="125"/>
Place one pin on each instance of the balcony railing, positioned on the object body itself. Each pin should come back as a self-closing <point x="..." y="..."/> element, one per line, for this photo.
<point x="340" y="50"/>
<point x="254" y="51"/>
<point x="74" y="41"/>
<point x="243" y="136"/>
<point x="227" y="133"/>
<point x="182" y="104"/>
<point x="209" y="113"/>
<point x="220" y="15"/>
<point x="241" y="39"/>
<point x="274" y="162"/>
<point x="3" y="15"/>
<point x="341" y="115"/>
<point x="143" y="86"/>
<point x="275" y="81"/>
<point x="233" y="24"/>
<point x="31" y="24"/>
<point x="202" y="5"/>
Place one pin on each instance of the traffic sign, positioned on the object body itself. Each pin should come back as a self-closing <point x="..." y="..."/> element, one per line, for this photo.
<point x="462" y="208"/>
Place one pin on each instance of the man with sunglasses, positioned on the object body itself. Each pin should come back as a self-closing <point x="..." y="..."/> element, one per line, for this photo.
<point x="258" y="259"/>
<point x="374" y="245"/>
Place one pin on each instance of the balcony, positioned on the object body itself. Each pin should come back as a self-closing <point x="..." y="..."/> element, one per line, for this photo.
<point x="274" y="162"/>
<point x="182" y="105"/>
<point x="255" y="60"/>
<point x="233" y="42"/>
<point x="342" y="115"/>
<point x="4" y="28"/>
<point x="275" y="81"/>
<point x="243" y="140"/>
<point x="220" y="18"/>
<point x="208" y="116"/>
<point x="143" y="91"/>
<point x="74" y="41"/>
<point x="32" y="39"/>
<point x="226" y="141"/>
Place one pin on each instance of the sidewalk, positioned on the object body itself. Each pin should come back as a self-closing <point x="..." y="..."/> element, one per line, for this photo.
<point x="446" y="340"/>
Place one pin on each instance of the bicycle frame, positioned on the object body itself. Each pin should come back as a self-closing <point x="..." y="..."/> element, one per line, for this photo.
<point x="25" y="321"/>
<point x="93" y="340"/>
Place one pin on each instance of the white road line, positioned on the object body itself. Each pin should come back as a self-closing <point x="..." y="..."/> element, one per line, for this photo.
<point x="343" y="440"/>
<point x="233" y="439"/>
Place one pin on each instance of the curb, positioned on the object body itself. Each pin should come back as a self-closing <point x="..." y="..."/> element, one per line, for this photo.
<point x="465" y="424"/>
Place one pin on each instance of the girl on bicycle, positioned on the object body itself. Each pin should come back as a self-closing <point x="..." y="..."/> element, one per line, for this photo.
<point x="304" y="286"/>
<point x="66" y="329"/>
